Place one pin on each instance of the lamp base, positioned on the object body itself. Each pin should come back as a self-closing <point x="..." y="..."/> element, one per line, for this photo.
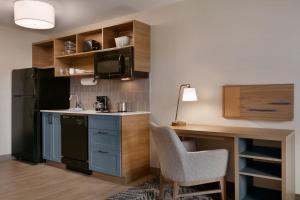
<point x="178" y="123"/>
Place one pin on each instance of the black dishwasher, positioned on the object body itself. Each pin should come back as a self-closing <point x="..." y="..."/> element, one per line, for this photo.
<point x="74" y="142"/>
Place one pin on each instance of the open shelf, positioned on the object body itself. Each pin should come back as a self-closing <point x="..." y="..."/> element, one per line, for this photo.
<point x="60" y="42"/>
<point x="256" y="188"/>
<point x="260" y="149"/>
<point x="89" y="35"/>
<point x="110" y="33"/>
<point x="252" y="171"/>
<point x="42" y="54"/>
<point x="256" y="193"/>
<point x="267" y="170"/>
<point x="263" y="153"/>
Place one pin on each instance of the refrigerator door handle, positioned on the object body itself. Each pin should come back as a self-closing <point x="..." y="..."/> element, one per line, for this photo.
<point x="50" y="119"/>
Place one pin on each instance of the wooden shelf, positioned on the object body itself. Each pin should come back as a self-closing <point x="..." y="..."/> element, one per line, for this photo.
<point x="89" y="35"/>
<point x="42" y="54"/>
<point x="90" y="53"/>
<point x="111" y="32"/>
<point x="262" y="153"/>
<point x="262" y="170"/>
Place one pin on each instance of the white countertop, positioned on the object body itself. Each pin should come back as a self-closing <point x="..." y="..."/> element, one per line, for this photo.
<point x="93" y="112"/>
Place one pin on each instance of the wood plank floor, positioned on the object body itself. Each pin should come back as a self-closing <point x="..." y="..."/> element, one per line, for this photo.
<point x="22" y="181"/>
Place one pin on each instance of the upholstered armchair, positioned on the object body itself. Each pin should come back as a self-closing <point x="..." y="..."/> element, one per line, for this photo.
<point x="183" y="168"/>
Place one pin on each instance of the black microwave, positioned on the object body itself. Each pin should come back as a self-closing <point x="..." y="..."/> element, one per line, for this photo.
<point x="114" y="64"/>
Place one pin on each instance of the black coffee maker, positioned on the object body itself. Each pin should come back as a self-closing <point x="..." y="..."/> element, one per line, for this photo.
<point x="101" y="105"/>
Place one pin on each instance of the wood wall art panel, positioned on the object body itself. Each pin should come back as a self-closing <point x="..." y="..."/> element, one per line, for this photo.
<point x="259" y="102"/>
<point x="232" y="101"/>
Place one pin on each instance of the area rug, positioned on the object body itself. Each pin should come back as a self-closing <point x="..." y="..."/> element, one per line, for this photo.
<point x="150" y="191"/>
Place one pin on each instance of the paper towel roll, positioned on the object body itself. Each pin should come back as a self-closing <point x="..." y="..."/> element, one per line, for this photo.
<point x="88" y="81"/>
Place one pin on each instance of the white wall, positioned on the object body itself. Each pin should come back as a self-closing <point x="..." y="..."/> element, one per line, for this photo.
<point x="15" y="52"/>
<point x="210" y="43"/>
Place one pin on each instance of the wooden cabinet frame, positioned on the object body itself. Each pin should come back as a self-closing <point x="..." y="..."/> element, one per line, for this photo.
<point x="49" y="53"/>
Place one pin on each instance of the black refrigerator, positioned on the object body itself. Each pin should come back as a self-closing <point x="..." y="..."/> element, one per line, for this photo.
<point x="33" y="90"/>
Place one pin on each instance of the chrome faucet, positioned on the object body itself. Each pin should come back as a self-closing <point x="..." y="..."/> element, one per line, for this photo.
<point x="77" y="103"/>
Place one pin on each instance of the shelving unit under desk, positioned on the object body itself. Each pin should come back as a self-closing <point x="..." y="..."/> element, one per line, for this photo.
<point x="264" y="162"/>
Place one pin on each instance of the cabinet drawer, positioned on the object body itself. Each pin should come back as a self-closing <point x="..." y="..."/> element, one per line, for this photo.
<point x="105" y="122"/>
<point x="105" y="162"/>
<point x="105" y="137"/>
<point x="106" y="148"/>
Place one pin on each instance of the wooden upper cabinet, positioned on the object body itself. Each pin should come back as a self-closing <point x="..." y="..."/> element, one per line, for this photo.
<point x="141" y="42"/>
<point x="42" y="54"/>
<point x="111" y="32"/>
<point x="45" y="54"/>
<point x="259" y="102"/>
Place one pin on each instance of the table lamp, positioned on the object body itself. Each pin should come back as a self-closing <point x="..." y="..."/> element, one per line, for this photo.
<point x="189" y="94"/>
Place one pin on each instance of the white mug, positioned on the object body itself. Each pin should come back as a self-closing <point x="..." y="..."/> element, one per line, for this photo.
<point x="71" y="71"/>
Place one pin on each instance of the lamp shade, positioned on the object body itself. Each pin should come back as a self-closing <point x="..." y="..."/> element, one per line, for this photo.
<point x="189" y="94"/>
<point x="34" y="14"/>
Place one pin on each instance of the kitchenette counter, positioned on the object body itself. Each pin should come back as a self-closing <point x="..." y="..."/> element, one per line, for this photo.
<point x="93" y="112"/>
<point x="110" y="140"/>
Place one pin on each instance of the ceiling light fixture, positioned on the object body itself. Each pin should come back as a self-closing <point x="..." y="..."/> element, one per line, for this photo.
<point x="34" y="14"/>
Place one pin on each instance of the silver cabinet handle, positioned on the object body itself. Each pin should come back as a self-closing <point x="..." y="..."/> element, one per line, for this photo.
<point x="102" y="133"/>
<point x="50" y="119"/>
<point x="102" y="151"/>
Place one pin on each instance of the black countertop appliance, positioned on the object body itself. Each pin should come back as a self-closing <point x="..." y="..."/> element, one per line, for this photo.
<point x="101" y="105"/>
<point x="34" y="90"/>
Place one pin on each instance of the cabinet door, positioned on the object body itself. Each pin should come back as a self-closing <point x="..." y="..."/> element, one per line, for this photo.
<point x="47" y="132"/>
<point x="105" y="145"/>
<point x="56" y="138"/>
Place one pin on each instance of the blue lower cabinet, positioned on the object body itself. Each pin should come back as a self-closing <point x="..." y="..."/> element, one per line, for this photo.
<point x="105" y="145"/>
<point x="56" y="139"/>
<point x="46" y="131"/>
<point x="105" y="161"/>
<point x="51" y="136"/>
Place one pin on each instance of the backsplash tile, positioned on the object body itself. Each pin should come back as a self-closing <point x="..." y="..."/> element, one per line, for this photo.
<point x="135" y="93"/>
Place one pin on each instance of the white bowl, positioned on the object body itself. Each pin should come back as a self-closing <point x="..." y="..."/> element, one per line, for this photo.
<point x="122" y="41"/>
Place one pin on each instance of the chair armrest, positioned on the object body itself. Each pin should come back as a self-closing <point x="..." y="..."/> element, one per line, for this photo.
<point x="203" y="165"/>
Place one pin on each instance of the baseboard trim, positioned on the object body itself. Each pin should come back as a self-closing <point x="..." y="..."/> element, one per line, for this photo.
<point x="55" y="164"/>
<point x="297" y="197"/>
<point x="6" y="157"/>
<point x="106" y="177"/>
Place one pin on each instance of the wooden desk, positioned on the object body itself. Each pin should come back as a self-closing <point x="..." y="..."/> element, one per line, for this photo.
<point x="262" y="158"/>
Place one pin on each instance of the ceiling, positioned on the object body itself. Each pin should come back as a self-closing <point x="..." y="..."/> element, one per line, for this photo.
<point x="75" y="13"/>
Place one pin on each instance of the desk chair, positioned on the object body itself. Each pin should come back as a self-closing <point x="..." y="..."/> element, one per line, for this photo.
<point x="183" y="168"/>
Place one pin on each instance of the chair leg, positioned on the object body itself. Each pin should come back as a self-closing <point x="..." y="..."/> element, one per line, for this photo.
<point x="175" y="190"/>
<point x="161" y="187"/>
<point x="223" y="188"/>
